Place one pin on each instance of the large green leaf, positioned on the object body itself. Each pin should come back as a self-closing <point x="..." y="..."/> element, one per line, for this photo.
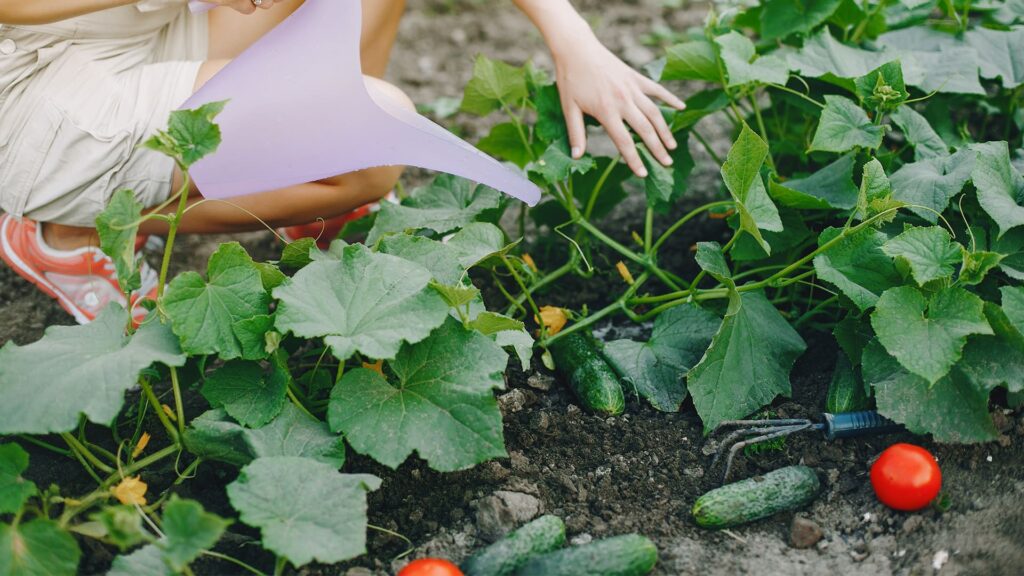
<point x="823" y="55"/>
<point x="494" y="84"/>
<point x="950" y="409"/>
<point x="117" y="227"/>
<point x="781" y="18"/>
<point x="367" y="303"/>
<point x="998" y="360"/>
<point x="929" y="251"/>
<point x="37" y="548"/>
<point x="47" y="385"/>
<point x="919" y="133"/>
<point x="928" y="185"/>
<point x="742" y="174"/>
<point x="446" y="204"/>
<point x="206" y="314"/>
<point x="439" y="403"/>
<point x="148" y="561"/>
<point x="556" y="165"/>
<point x="748" y="363"/>
<point x="666" y="184"/>
<point x="694" y="60"/>
<point x="657" y="368"/>
<point x="14" y="489"/>
<point x="215" y="436"/>
<point x="1000" y="186"/>
<point x="305" y="510"/>
<point x="505" y="142"/>
<point x="744" y="66"/>
<point x="247" y="392"/>
<point x="926" y="333"/>
<point x="1000" y="54"/>
<point x="1013" y="305"/>
<point x="845" y="126"/>
<point x="857" y="265"/>
<point x="188" y="532"/>
<point x="830" y="187"/>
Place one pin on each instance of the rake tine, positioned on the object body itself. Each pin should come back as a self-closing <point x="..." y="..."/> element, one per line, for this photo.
<point x="737" y="434"/>
<point x="762" y="423"/>
<point x="778" y="433"/>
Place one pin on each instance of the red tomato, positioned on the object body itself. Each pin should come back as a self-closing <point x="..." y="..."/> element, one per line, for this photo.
<point x="906" y="477"/>
<point x="430" y="567"/>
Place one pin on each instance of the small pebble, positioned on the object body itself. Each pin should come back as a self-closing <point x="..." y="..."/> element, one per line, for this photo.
<point x="939" y="559"/>
<point x="804" y="533"/>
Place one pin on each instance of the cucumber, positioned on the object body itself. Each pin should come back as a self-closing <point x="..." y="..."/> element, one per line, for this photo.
<point x="756" y="498"/>
<point x="588" y="373"/>
<point x="845" y="392"/>
<point x="628" y="555"/>
<point x="505" y="556"/>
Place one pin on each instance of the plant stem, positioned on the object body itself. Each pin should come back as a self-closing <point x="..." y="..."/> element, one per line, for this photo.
<point x="298" y="403"/>
<point x="46" y="446"/>
<point x="82" y="450"/>
<point x="682" y="221"/>
<point x="517" y="302"/>
<point x="797" y="93"/>
<point x="617" y="306"/>
<point x="764" y="131"/>
<point x="280" y="565"/>
<point x="648" y="231"/>
<point x="522" y="286"/>
<point x="172" y="234"/>
<point x="179" y="406"/>
<point x="707" y="147"/>
<point x="147" y="389"/>
<point x="589" y="210"/>
<point x="234" y="561"/>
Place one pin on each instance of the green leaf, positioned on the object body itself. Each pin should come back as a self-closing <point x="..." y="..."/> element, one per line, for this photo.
<point x="14" y="489"/>
<point x="489" y="323"/>
<point x="123" y="525"/>
<point x="927" y="333"/>
<point x="824" y="56"/>
<point x="270" y="274"/>
<point x="297" y="254"/>
<point x="853" y="334"/>
<point x="1013" y="305"/>
<point x="147" y="560"/>
<point x="1000" y="54"/>
<point x="950" y="409"/>
<point x="37" y="548"/>
<point x="919" y="133"/>
<point x="247" y="393"/>
<point x="977" y="265"/>
<point x="448" y="203"/>
<point x="699" y="106"/>
<point x="857" y="265"/>
<point x="998" y="360"/>
<point x="691" y="61"/>
<point x="930" y="252"/>
<point x="305" y="510"/>
<point x="711" y="259"/>
<point x="506" y="142"/>
<point x="883" y="88"/>
<point x="556" y="165"/>
<point x="830" y="187"/>
<point x="781" y="18"/>
<point x="743" y="66"/>
<point x="507" y="333"/>
<point x="205" y="314"/>
<point x="657" y="368"/>
<point x="442" y="385"/>
<point x="742" y="174"/>
<point x="845" y="126"/>
<point x="794" y="234"/>
<point x="664" y="185"/>
<point x="932" y="183"/>
<point x="191" y="134"/>
<point x="117" y="227"/>
<point x="74" y="370"/>
<point x="188" y="532"/>
<point x="436" y="257"/>
<point x="748" y="363"/>
<point x="367" y="303"/>
<point x="494" y="84"/>
<point x="550" y="126"/>
<point x="214" y="436"/>
<point x="254" y="336"/>
<point x="1000" y="186"/>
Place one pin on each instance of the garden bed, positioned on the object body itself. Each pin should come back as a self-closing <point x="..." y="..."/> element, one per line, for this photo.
<point x="637" y="472"/>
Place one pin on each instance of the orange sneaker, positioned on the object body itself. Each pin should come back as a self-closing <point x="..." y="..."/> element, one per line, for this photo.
<point x="326" y="231"/>
<point x="83" y="281"/>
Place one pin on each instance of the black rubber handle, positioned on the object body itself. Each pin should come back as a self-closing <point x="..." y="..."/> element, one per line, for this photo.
<point x="853" y="424"/>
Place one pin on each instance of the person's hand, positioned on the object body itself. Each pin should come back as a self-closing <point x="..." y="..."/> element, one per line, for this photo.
<point x="246" y="6"/>
<point x="595" y="82"/>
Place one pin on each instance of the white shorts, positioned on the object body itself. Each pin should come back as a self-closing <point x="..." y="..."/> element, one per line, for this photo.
<point x="78" y="97"/>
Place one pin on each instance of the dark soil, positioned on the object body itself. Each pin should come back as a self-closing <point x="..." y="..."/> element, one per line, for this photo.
<point x="639" y="472"/>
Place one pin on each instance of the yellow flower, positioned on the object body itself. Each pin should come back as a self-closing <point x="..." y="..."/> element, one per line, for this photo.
<point x="624" y="272"/>
<point x="553" y="318"/>
<point x="141" y="445"/>
<point x="131" y="490"/>
<point x="529" y="262"/>
<point x="377" y="366"/>
<point x="170" y="412"/>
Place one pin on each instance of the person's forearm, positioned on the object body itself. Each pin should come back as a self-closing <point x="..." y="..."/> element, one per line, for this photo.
<point x="559" y="23"/>
<point x="46" y="11"/>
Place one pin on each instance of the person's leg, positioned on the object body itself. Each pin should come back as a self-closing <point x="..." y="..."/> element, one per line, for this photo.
<point x="230" y="34"/>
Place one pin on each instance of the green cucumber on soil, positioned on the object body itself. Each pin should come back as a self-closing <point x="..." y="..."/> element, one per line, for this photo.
<point x="590" y="376"/>
<point x="627" y="555"/>
<point x="504" y="557"/>
<point x="755" y="498"/>
<point x="845" y="392"/>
